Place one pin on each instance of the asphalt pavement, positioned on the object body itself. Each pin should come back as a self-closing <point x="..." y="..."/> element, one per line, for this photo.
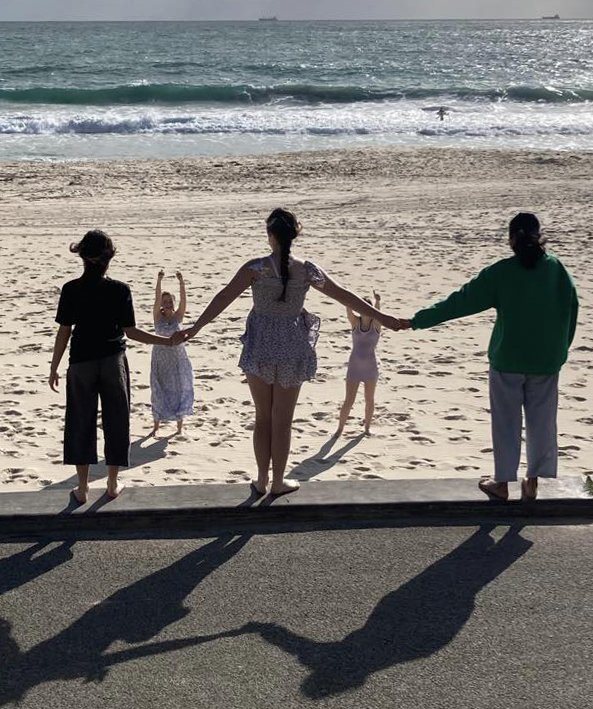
<point x="481" y="616"/>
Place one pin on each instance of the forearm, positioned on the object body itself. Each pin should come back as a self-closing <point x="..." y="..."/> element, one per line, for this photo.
<point x="220" y="302"/>
<point x="353" y="302"/>
<point x="61" y="342"/>
<point x="182" y="296"/>
<point x="135" y="333"/>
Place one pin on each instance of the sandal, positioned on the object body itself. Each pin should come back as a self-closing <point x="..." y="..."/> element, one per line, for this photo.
<point x="486" y="489"/>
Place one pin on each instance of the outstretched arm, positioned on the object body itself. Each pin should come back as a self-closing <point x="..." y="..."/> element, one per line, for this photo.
<point x="135" y="333"/>
<point x="62" y="338"/>
<point x="221" y="301"/>
<point x="474" y="297"/>
<point x="156" y="308"/>
<point x="346" y="297"/>
<point x="180" y="312"/>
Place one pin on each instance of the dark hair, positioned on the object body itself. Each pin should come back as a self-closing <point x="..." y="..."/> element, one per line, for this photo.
<point x="285" y="227"/>
<point x="526" y="239"/>
<point x="96" y="250"/>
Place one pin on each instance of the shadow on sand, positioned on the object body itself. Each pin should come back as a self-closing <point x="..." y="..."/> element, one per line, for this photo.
<point x="321" y="461"/>
<point x="139" y="455"/>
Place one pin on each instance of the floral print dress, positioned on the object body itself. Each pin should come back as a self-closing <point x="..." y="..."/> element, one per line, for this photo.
<point x="171" y="377"/>
<point x="280" y="336"/>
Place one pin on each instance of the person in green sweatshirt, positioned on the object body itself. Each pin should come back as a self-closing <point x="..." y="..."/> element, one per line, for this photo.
<point x="536" y="306"/>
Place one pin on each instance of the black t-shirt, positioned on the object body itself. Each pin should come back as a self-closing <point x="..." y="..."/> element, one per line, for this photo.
<point x="99" y="309"/>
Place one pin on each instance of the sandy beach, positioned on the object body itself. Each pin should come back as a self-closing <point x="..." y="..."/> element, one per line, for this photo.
<point x="414" y="224"/>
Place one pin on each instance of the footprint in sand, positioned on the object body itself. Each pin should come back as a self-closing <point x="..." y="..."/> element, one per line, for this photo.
<point x="421" y="439"/>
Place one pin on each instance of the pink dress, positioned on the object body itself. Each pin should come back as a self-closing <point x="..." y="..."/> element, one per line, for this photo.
<point x="363" y="365"/>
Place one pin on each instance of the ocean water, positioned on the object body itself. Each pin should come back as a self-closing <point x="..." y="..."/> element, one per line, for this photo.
<point x="170" y="89"/>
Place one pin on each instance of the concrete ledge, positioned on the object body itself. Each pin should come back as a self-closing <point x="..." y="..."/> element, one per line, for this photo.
<point x="204" y="506"/>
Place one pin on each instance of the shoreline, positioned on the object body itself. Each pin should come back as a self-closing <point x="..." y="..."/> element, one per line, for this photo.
<point x="415" y="223"/>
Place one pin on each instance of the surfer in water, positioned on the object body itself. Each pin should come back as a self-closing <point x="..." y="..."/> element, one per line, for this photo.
<point x="442" y="112"/>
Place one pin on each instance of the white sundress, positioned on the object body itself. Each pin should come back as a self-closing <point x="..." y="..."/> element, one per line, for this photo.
<point x="171" y="377"/>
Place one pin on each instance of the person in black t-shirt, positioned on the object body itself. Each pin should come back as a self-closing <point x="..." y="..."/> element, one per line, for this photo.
<point x="101" y="312"/>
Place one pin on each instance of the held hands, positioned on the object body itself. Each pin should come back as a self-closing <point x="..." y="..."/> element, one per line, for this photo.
<point x="393" y="323"/>
<point x="177" y="338"/>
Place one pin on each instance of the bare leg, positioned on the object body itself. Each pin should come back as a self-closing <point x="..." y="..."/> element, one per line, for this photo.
<point x="81" y="493"/>
<point x="369" y="405"/>
<point x="155" y="428"/>
<point x="113" y="487"/>
<point x="180" y="426"/>
<point x="262" y="433"/>
<point x="351" y="391"/>
<point x="283" y="405"/>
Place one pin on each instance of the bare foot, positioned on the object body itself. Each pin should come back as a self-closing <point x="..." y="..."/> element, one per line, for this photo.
<point x="338" y="432"/>
<point x="81" y="494"/>
<point x="260" y="486"/>
<point x="115" y="491"/>
<point x="155" y="428"/>
<point x="494" y="490"/>
<point x="529" y="489"/>
<point x="284" y="487"/>
<point x="367" y="432"/>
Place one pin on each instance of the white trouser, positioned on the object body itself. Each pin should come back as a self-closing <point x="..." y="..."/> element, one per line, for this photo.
<point x="538" y="395"/>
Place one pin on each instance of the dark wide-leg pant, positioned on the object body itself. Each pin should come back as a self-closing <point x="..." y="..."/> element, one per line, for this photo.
<point x="107" y="379"/>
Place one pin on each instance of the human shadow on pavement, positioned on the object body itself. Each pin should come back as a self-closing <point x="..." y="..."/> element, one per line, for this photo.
<point x="134" y="614"/>
<point x="415" y="621"/>
<point x="321" y="461"/>
<point x="32" y="562"/>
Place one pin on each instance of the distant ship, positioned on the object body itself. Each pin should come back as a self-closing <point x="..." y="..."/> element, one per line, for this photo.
<point x="551" y="17"/>
<point x="273" y="18"/>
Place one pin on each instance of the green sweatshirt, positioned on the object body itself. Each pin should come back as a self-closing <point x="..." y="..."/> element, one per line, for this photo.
<point x="536" y="313"/>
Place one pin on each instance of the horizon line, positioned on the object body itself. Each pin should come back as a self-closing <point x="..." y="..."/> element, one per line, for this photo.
<point x="332" y="19"/>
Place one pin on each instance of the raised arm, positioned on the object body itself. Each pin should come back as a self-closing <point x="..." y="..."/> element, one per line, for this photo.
<point x="377" y="297"/>
<point x="221" y="301"/>
<point x="180" y="312"/>
<point x="353" y="320"/>
<point x="60" y="344"/>
<point x="156" y="308"/>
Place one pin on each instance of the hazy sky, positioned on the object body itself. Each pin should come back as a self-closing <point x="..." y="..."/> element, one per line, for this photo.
<point x="286" y="9"/>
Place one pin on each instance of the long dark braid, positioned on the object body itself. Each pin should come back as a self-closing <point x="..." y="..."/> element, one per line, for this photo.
<point x="285" y="227"/>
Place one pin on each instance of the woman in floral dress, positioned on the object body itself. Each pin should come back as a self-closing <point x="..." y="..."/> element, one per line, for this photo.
<point x="279" y="341"/>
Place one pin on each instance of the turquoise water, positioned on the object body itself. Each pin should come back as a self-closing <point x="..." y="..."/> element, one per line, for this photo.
<point x="170" y="89"/>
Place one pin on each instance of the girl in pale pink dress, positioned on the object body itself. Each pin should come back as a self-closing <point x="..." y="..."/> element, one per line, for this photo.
<point x="362" y="366"/>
